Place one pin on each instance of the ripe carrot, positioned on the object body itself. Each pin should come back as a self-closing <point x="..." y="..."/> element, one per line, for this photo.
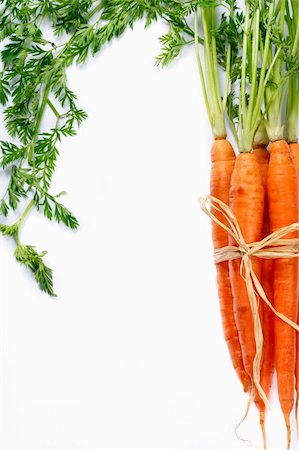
<point x="283" y="211"/>
<point x="267" y="370"/>
<point x="223" y="160"/>
<point x="294" y="150"/>
<point x="247" y="204"/>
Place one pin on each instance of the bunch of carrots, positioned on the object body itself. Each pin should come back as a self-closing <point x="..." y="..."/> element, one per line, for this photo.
<point x="256" y="47"/>
<point x="259" y="183"/>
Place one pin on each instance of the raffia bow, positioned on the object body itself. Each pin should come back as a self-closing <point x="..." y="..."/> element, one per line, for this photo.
<point x="271" y="247"/>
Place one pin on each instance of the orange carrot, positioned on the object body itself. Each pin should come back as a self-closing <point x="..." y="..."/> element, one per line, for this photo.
<point x="223" y="160"/>
<point x="294" y="150"/>
<point x="247" y="204"/>
<point x="283" y="211"/>
<point x="267" y="370"/>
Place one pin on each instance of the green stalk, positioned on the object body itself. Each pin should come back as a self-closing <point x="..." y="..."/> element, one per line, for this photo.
<point x="227" y="77"/>
<point x="264" y="73"/>
<point x="253" y="88"/>
<point x="38" y="122"/>
<point x="271" y="65"/>
<point x="44" y="101"/>
<point x="243" y="106"/>
<point x="275" y="95"/>
<point x="293" y="84"/>
<point x="21" y="220"/>
<point x="249" y="61"/>
<point x="212" y="84"/>
<point x="292" y="109"/>
<point x="214" y="56"/>
<point x="94" y="11"/>
<point x="198" y="59"/>
<point x="250" y="115"/>
<point x="54" y="109"/>
<point x="26" y="211"/>
<point x="295" y="9"/>
<point x="296" y="41"/>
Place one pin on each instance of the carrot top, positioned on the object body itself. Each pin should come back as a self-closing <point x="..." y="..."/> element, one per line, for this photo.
<point x="292" y="19"/>
<point x="253" y="72"/>
<point x="215" y="103"/>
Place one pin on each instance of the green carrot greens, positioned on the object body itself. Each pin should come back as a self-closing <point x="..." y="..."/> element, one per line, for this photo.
<point x="242" y="72"/>
<point x="292" y="57"/>
<point x="33" y="80"/>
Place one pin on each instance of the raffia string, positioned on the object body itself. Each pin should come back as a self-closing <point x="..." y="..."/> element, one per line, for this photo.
<point x="271" y="247"/>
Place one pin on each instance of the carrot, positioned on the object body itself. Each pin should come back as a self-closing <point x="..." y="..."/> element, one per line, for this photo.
<point x="283" y="211"/>
<point x="294" y="150"/>
<point x="247" y="204"/>
<point x="222" y="166"/>
<point x="292" y="116"/>
<point x="267" y="370"/>
<point x="223" y="160"/>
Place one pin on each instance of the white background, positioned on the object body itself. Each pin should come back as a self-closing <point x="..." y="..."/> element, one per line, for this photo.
<point x="131" y="354"/>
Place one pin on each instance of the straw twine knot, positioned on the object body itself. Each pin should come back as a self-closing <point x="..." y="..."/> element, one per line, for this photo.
<point x="271" y="247"/>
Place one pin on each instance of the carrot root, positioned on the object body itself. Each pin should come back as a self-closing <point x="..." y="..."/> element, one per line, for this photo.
<point x="296" y="413"/>
<point x="287" y="422"/>
<point x="245" y="441"/>
<point x="263" y="428"/>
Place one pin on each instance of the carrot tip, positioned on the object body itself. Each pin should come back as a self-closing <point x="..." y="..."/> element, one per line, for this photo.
<point x="262" y="423"/>
<point x="287" y="422"/>
<point x="245" y="441"/>
<point x="296" y="413"/>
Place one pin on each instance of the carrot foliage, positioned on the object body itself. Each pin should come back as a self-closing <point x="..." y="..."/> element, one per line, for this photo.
<point x="33" y="81"/>
<point x="246" y="44"/>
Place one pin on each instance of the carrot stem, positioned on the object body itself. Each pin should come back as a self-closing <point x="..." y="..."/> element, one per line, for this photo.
<point x="275" y="94"/>
<point x="293" y="82"/>
<point x="199" y="64"/>
<point x="210" y="77"/>
<point x="250" y="113"/>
